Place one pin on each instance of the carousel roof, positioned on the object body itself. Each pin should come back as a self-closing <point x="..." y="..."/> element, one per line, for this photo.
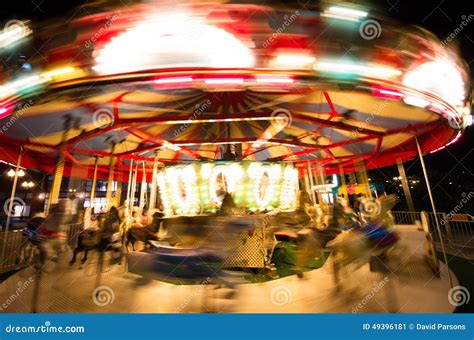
<point x="192" y="86"/>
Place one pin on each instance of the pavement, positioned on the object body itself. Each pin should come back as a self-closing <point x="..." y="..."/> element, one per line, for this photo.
<point x="409" y="287"/>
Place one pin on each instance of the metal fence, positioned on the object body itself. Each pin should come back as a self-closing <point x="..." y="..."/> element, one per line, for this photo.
<point x="456" y="229"/>
<point x="406" y="217"/>
<point x="12" y="244"/>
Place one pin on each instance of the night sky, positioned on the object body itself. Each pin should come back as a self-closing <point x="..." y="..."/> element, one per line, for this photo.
<point x="450" y="170"/>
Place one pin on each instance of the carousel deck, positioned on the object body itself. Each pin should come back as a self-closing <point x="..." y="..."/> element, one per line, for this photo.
<point x="411" y="289"/>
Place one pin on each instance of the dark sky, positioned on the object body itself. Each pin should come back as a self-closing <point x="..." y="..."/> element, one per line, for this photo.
<point x="452" y="165"/>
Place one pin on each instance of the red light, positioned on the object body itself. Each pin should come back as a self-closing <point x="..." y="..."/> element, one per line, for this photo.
<point x="386" y="93"/>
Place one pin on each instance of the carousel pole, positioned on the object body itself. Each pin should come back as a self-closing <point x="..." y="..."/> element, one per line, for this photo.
<point x="134" y="188"/>
<point x="406" y="188"/>
<point x="364" y="178"/>
<point x="319" y="181"/>
<point x="153" y="192"/>
<point x="10" y="206"/>
<point x="311" y="183"/>
<point x="110" y="180"/>
<point x="56" y="185"/>
<point x="94" y="182"/>
<point x="438" y="228"/>
<point x="129" y="189"/>
<point x="343" y="182"/>
<point x="13" y="192"/>
<point x="306" y="181"/>
<point x="141" y="201"/>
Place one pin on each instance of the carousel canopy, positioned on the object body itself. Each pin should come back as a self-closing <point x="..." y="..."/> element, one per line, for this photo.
<point x="210" y="82"/>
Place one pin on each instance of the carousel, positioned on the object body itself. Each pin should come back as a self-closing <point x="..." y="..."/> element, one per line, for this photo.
<point x="190" y="109"/>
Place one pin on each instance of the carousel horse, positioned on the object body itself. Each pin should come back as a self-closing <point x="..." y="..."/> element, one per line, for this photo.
<point x="302" y="235"/>
<point x="360" y="245"/>
<point x="45" y="234"/>
<point x="105" y="238"/>
<point x="202" y="245"/>
<point x="30" y="234"/>
<point x="145" y="233"/>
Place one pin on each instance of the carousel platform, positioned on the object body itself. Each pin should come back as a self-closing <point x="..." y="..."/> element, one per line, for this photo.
<point x="410" y="288"/>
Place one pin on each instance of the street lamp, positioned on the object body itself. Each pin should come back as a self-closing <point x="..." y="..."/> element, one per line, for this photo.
<point x="28" y="185"/>
<point x="11" y="173"/>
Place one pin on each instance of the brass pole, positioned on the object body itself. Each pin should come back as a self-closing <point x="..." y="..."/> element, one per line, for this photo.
<point x="343" y="182"/>
<point x="406" y="188"/>
<point x="434" y="209"/>
<point x="94" y="183"/>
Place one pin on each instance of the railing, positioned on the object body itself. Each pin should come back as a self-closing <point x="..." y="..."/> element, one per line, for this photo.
<point x="457" y="230"/>
<point x="406" y="217"/>
<point x="13" y="242"/>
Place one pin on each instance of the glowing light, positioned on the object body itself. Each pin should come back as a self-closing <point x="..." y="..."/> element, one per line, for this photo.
<point x="289" y="189"/>
<point x="458" y="136"/>
<point x="254" y="186"/>
<point x="374" y="71"/>
<point x="264" y="191"/>
<point x="57" y="72"/>
<point x="163" y="193"/>
<point x="13" y="32"/>
<point x="28" y="185"/>
<point x="182" y="182"/>
<point x="416" y="101"/>
<point x="170" y="40"/>
<point x="344" y="13"/>
<point x="384" y="93"/>
<point x="278" y="80"/>
<point x="441" y="78"/>
<point x="170" y="146"/>
<point x="293" y="61"/>
<point x="217" y="81"/>
<point x="22" y="84"/>
<point x="175" y="80"/>
<point x="220" y="170"/>
<point x="468" y="120"/>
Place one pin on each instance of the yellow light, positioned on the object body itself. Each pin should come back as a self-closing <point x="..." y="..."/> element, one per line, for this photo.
<point x="57" y="72"/>
<point x="293" y="60"/>
<point x="11" y="173"/>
